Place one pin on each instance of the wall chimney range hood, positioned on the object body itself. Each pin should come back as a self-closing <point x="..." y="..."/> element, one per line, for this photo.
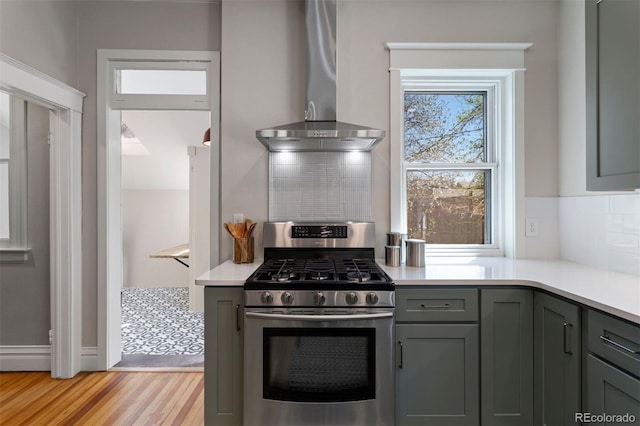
<point x="320" y="131"/>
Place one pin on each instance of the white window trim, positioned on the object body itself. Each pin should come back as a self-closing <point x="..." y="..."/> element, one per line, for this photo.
<point x="502" y="63"/>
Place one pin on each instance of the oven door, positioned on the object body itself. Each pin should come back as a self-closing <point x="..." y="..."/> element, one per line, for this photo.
<point x="318" y="367"/>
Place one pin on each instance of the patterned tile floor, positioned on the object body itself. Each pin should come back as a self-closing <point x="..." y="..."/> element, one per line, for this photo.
<point x="157" y="321"/>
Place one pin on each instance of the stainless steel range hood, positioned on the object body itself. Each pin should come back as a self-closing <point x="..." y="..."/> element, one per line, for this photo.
<point x="320" y="131"/>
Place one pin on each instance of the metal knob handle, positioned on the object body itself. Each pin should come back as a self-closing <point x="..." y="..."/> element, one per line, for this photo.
<point x="266" y="297"/>
<point x="372" y="298"/>
<point x="287" y="298"/>
<point x="351" y="298"/>
<point x="319" y="298"/>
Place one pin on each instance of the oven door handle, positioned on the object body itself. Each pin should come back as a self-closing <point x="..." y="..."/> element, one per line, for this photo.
<point x="287" y="317"/>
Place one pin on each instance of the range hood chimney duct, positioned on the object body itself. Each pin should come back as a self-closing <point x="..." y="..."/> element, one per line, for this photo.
<point x="320" y="131"/>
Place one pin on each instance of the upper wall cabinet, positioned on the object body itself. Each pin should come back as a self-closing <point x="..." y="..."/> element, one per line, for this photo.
<point x="613" y="94"/>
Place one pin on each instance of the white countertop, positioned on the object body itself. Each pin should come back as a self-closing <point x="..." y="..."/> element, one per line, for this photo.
<point x="612" y="292"/>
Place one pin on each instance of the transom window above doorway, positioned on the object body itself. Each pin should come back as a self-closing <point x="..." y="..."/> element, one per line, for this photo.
<point x="176" y="84"/>
<point x="161" y="82"/>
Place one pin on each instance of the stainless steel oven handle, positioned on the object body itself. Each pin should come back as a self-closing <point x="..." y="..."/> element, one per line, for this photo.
<point x="287" y="317"/>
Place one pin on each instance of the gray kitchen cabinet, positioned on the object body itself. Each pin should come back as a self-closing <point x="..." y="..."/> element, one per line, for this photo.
<point x="437" y="375"/>
<point x="557" y="354"/>
<point x="612" y="392"/>
<point x="506" y="356"/>
<point x="223" y="355"/>
<point x="612" y="94"/>
<point x="613" y="367"/>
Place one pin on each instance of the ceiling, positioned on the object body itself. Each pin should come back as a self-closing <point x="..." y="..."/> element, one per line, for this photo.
<point x="166" y="136"/>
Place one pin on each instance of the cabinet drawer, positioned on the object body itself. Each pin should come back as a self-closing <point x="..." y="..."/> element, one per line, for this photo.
<point x="615" y="340"/>
<point x="422" y="305"/>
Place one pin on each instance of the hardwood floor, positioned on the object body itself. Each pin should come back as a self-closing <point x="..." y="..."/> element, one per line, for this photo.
<point x="102" y="398"/>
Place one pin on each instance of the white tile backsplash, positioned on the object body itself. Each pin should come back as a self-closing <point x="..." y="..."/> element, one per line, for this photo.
<point x="547" y="244"/>
<point x="601" y="231"/>
<point x="320" y="186"/>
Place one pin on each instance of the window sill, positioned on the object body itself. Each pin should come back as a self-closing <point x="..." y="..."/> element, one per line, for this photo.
<point x="14" y="255"/>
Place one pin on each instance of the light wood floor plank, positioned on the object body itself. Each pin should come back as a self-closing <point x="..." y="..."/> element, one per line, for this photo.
<point x="102" y="398"/>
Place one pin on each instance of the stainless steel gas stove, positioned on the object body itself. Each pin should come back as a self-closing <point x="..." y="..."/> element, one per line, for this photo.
<point x="319" y="328"/>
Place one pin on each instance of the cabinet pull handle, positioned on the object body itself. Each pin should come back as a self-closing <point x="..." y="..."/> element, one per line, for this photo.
<point x="567" y="340"/>
<point x="400" y="365"/>
<point x="238" y="317"/>
<point x="618" y="345"/>
<point x="445" y="306"/>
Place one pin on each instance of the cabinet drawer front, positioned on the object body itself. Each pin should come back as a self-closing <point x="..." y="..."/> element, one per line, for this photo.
<point x="422" y="305"/>
<point x="615" y="340"/>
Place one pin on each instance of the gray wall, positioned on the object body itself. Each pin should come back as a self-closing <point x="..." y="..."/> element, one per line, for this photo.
<point x="24" y="288"/>
<point x="265" y="85"/>
<point x="42" y="34"/>
<point x="61" y="38"/>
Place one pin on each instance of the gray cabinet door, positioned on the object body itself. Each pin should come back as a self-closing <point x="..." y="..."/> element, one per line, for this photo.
<point x="506" y="356"/>
<point x="223" y="355"/>
<point x="613" y="94"/>
<point x="437" y="375"/>
<point x="556" y="360"/>
<point x="612" y="392"/>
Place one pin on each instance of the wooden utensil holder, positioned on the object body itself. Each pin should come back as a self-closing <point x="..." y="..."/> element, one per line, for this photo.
<point x="243" y="250"/>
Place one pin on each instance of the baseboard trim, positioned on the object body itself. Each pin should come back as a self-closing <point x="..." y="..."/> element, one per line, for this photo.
<point x="89" y="358"/>
<point x="25" y="358"/>
<point x="38" y="358"/>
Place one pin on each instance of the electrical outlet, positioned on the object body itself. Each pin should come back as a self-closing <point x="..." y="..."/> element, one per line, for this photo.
<point x="531" y="227"/>
<point x="238" y="217"/>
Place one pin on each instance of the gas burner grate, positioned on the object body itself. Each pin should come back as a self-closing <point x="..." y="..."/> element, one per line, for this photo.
<point x="359" y="270"/>
<point x="313" y="272"/>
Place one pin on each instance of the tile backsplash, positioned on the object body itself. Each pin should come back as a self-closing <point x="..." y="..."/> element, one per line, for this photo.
<point x="320" y="186"/>
<point x="602" y="231"/>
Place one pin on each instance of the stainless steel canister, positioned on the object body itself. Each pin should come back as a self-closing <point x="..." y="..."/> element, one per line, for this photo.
<point x="392" y="255"/>
<point x="415" y="252"/>
<point x="398" y="239"/>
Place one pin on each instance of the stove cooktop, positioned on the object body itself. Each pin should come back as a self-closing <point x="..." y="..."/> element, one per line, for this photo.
<point x="337" y="274"/>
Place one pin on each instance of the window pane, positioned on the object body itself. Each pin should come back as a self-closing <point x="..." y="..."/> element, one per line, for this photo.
<point x="161" y="82"/>
<point x="4" y="200"/>
<point x="447" y="206"/>
<point x="444" y="127"/>
<point x="5" y="126"/>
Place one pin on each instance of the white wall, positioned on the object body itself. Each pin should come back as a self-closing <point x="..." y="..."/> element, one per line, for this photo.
<point x="154" y="220"/>
<point x="600" y="229"/>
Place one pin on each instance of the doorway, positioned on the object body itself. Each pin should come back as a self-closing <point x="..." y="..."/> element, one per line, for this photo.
<point x="158" y="329"/>
<point x="133" y="87"/>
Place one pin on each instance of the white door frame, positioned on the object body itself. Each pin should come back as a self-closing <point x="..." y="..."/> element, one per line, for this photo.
<point x="65" y="192"/>
<point x="109" y="159"/>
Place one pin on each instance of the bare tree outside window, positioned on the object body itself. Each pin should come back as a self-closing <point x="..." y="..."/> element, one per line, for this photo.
<point x="445" y="138"/>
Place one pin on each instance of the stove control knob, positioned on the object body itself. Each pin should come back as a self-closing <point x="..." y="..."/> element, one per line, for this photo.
<point x="266" y="298"/>
<point x="319" y="298"/>
<point x="351" y="298"/>
<point x="372" y="298"/>
<point x="287" y="298"/>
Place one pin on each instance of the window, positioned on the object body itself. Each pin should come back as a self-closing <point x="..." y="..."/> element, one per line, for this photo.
<point x="13" y="179"/>
<point x="161" y="82"/>
<point x="457" y="138"/>
<point x="181" y="84"/>
<point x="448" y="167"/>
